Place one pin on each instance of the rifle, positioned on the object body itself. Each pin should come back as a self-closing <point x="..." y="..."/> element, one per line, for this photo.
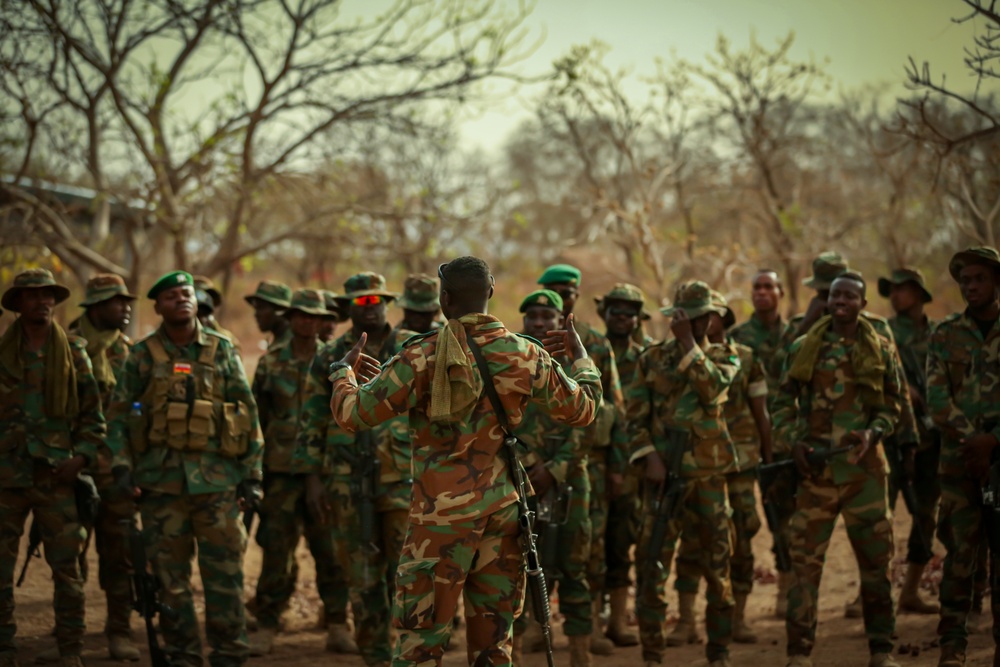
<point x="666" y="506"/>
<point x="904" y="482"/>
<point x="34" y="541"/>
<point x="250" y="492"/>
<point x="525" y="517"/>
<point x="145" y="587"/>
<point x="367" y="472"/>
<point x="553" y="511"/>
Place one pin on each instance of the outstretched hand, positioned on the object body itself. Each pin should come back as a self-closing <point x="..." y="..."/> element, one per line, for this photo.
<point x="363" y="365"/>
<point x="565" y="341"/>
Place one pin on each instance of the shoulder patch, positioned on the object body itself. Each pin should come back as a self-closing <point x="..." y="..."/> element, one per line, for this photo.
<point x="416" y="338"/>
<point x="529" y="338"/>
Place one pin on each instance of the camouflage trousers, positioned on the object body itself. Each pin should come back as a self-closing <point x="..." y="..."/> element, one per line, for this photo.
<point x="704" y="517"/>
<point x="283" y="520"/>
<point x="370" y="567"/>
<point x="964" y="528"/>
<point x="480" y="557"/>
<point x="597" y="470"/>
<point x="114" y="561"/>
<point x="565" y="551"/>
<point x="865" y="507"/>
<point x="927" y="488"/>
<point x="171" y="527"/>
<point x="746" y="524"/>
<point x="782" y="495"/>
<point x="623" y="527"/>
<point x="53" y="506"/>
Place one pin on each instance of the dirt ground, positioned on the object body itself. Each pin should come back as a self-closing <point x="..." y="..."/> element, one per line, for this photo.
<point x="840" y="641"/>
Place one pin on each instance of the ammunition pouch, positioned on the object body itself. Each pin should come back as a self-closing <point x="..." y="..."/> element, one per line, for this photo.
<point x="236" y="432"/>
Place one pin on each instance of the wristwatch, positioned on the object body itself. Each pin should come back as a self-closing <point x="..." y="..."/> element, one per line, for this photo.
<point x="338" y="365"/>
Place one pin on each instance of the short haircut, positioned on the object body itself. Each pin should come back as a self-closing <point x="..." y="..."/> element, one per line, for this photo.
<point x="467" y="278"/>
<point x="856" y="277"/>
<point x="777" y="276"/>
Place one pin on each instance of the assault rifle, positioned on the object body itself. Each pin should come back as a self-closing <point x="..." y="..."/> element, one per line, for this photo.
<point x="145" y="589"/>
<point x="666" y="506"/>
<point x="34" y="542"/>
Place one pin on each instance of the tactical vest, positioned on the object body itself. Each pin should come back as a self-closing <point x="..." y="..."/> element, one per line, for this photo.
<point x="184" y="407"/>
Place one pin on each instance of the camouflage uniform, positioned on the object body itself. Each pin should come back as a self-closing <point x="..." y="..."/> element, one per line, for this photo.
<point x="279" y="387"/>
<point x="686" y="391"/>
<point x="463" y="531"/>
<point x="420" y="294"/>
<point x="205" y="283"/>
<point x="963" y="397"/>
<point x="188" y="456"/>
<point x="341" y="458"/>
<point x="278" y="295"/>
<point x="110" y="533"/>
<point x="819" y="413"/>
<point x="33" y="438"/>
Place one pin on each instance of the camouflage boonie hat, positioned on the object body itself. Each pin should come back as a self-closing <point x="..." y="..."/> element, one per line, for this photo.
<point x="695" y="299"/>
<point x="206" y="304"/>
<point x="334" y="308"/>
<point x="826" y="267"/>
<point x="272" y="292"/>
<point x="624" y="292"/>
<point x="308" y="301"/>
<point x="366" y="284"/>
<point x="32" y="279"/>
<point x="105" y="286"/>
<point x="977" y="255"/>
<point x="420" y="293"/>
<point x="542" y="297"/>
<point x="720" y="302"/>
<point x="205" y="283"/>
<point x="902" y="276"/>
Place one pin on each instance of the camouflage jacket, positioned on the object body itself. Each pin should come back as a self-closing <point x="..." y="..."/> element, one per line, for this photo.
<point x="684" y="391"/>
<point x="555" y="445"/>
<point x="608" y="429"/>
<point x="279" y="386"/>
<point x="963" y="385"/>
<point x="820" y="413"/>
<point x="460" y="468"/>
<point x="28" y="434"/>
<point x="325" y="448"/>
<point x="627" y="363"/>
<point x="750" y="382"/>
<point x="769" y="346"/>
<point x="912" y="340"/>
<point x="143" y="438"/>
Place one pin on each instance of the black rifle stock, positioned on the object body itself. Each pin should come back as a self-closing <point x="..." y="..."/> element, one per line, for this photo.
<point x="34" y="541"/>
<point x="367" y="471"/>
<point x="145" y="593"/>
<point x="666" y="506"/>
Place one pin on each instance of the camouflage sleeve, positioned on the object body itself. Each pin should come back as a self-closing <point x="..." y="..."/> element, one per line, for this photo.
<point x="906" y="426"/>
<point x="314" y="418"/>
<point x="639" y="399"/>
<point x="238" y="389"/>
<point x="261" y="392"/>
<point x="941" y="404"/>
<point x="757" y="386"/>
<point x="567" y="454"/>
<point x="710" y="374"/>
<point x="390" y="394"/>
<point x="887" y="415"/>
<point x="128" y="389"/>
<point x="572" y="400"/>
<point x="787" y="421"/>
<point x="89" y="427"/>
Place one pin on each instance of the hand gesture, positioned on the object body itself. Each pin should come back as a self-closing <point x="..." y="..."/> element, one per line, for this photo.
<point x="656" y="472"/>
<point x="366" y="368"/>
<point x="861" y="440"/>
<point x="680" y="326"/>
<point x="565" y="341"/>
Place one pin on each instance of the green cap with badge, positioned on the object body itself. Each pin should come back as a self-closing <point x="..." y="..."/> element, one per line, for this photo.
<point x="984" y="255"/>
<point x="170" y="281"/>
<point x="901" y="276"/>
<point x="544" y="298"/>
<point x="695" y="299"/>
<point x="561" y="274"/>
<point x="272" y="292"/>
<point x="32" y="279"/>
<point x="826" y="267"/>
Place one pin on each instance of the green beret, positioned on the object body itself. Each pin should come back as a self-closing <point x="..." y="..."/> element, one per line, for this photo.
<point x="561" y="274"/>
<point x="542" y="297"/>
<point x="169" y="281"/>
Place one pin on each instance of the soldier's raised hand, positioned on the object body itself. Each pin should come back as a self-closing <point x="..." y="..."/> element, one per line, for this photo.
<point x="365" y="367"/>
<point x="565" y="341"/>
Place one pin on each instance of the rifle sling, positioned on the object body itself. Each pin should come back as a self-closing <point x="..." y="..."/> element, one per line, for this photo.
<point x="488" y="387"/>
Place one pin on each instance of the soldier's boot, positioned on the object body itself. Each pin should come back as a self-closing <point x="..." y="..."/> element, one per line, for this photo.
<point x="339" y="639"/>
<point x="70" y="661"/>
<point x="686" y="630"/>
<point x="951" y="657"/>
<point x="853" y="608"/>
<point x="742" y="633"/>
<point x="599" y="644"/>
<point x="120" y="647"/>
<point x="618" y="630"/>
<point x="882" y="660"/>
<point x="781" y="601"/>
<point x="579" y="651"/>
<point x="909" y="598"/>
<point x="517" y="651"/>
<point x="262" y="643"/>
<point x="49" y="656"/>
<point x="9" y="659"/>
<point x="799" y="661"/>
<point x="721" y="662"/>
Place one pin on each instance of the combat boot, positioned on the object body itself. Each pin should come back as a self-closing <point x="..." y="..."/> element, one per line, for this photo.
<point x="686" y="630"/>
<point x="853" y="609"/>
<point x="618" y="630"/>
<point x="70" y="661"/>
<point x="339" y="639"/>
<point x="951" y="657"/>
<point x="262" y="643"/>
<point x="599" y="644"/>
<point x="49" y="656"/>
<point x="721" y="662"/>
<point x="781" y="602"/>
<point x="120" y="647"/>
<point x="909" y="598"/>
<point x="882" y="660"/>
<point x="579" y="651"/>
<point x="8" y="659"/>
<point x="742" y="633"/>
<point x="799" y="661"/>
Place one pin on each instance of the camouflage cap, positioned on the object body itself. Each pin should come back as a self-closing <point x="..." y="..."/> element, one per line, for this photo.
<point x="561" y="274"/>
<point x="978" y="255"/>
<point x="902" y="276"/>
<point x="720" y="302"/>
<point x="334" y="309"/>
<point x="695" y="299"/>
<point x="624" y="292"/>
<point x="169" y="281"/>
<point x="205" y="283"/>
<point x="308" y="301"/>
<point x="105" y="286"/>
<point x="544" y="298"/>
<point x="420" y="293"/>
<point x="366" y="284"/>
<point x="32" y="279"/>
<point x="826" y="267"/>
<point x="272" y="292"/>
<point x="206" y="304"/>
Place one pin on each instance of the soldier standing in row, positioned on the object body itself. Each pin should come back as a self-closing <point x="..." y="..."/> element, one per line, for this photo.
<point x="334" y="315"/>
<point x="279" y="387"/>
<point x="51" y="428"/>
<point x="185" y="429"/>
<point x="463" y="534"/>
<point x="605" y="434"/>
<point x="840" y="388"/>
<point x="963" y="397"/>
<point x="420" y="304"/>
<point x="211" y="320"/>
<point x="269" y="301"/>
<point x="676" y="401"/>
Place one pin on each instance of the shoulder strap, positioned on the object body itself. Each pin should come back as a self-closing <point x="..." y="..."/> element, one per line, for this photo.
<point x="488" y="386"/>
<point x="207" y="356"/>
<point x="156" y="349"/>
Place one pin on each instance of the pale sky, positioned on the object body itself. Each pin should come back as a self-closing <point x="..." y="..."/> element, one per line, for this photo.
<point x="866" y="41"/>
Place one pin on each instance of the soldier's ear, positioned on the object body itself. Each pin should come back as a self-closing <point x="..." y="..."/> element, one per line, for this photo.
<point x="490" y="295"/>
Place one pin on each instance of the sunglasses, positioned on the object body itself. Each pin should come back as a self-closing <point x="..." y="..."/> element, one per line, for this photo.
<point x="367" y="300"/>
<point x="626" y="312"/>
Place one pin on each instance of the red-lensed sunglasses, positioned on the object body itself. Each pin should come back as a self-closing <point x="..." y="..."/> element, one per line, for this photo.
<point x="367" y="300"/>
